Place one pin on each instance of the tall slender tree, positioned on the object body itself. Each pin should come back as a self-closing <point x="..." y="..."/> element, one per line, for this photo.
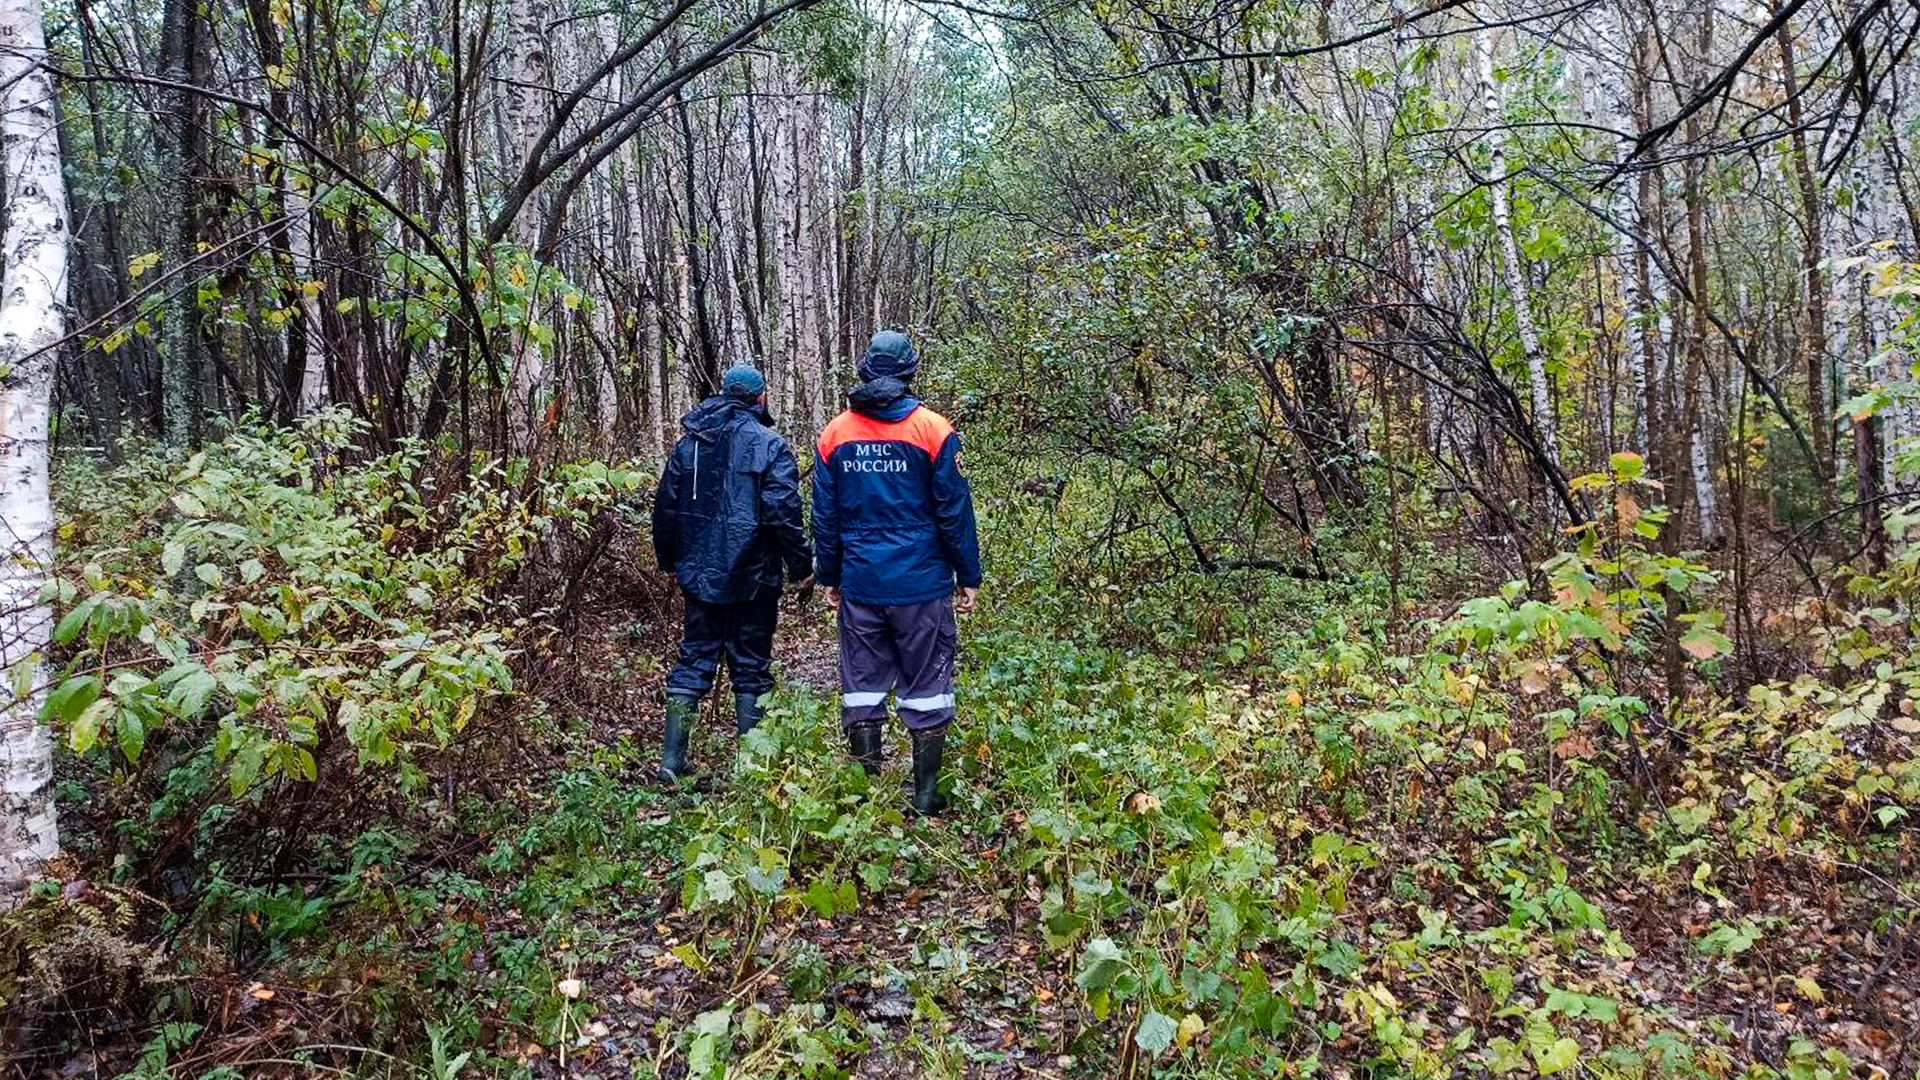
<point x="33" y="293"/>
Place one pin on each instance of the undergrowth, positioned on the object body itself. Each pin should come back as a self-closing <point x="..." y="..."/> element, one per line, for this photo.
<point x="1296" y="835"/>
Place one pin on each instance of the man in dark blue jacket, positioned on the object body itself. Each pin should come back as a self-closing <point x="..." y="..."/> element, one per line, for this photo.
<point x="727" y="522"/>
<point x="893" y="523"/>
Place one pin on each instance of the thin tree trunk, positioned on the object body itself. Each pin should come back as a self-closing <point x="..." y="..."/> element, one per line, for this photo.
<point x="1813" y="343"/>
<point x="529" y="97"/>
<point x="33" y="285"/>
<point x="1516" y="270"/>
<point x="182" y="359"/>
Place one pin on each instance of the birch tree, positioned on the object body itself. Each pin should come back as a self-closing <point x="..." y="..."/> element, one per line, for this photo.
<point x="33" y="285"/>
<point x="1516" y="270"/>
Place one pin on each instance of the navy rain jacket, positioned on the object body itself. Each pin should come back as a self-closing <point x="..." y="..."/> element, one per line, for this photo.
<point x="892" y="516"/>
<point x="727" y="517"/>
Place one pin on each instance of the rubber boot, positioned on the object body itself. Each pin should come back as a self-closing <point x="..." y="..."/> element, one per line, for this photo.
<point x="673" y="757"/>
<point x="747" y="712"/>
<point x="928" y="746"/>
<point x="863" y="739"/>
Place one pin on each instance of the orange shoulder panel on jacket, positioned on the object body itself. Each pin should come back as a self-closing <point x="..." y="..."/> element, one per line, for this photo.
<point x="922" y="427"/>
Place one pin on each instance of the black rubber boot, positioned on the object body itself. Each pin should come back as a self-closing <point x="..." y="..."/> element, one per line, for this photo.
<point x="928" y="746"/>
<point x="747" y="712"/>
<point x="673" y="757"/>
<point x="864" y="741"/>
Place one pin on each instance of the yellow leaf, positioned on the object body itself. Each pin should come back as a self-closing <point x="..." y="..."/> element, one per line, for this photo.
<point x="1190" y="1027"/>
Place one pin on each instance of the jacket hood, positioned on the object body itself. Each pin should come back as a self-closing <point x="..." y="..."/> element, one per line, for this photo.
<point x="890" y="355"/>
<point x="706" y="420"/>
<point x="887" y="400"/>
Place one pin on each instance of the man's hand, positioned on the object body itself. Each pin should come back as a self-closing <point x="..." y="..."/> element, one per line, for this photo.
<point x="965" y="601"/>
<point x="833" y="597"/>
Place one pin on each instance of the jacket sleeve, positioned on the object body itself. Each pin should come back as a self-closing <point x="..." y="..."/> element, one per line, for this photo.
<point x="666" y="514"/>
<point x="826" y="524"/>
<point x="953" y="512"/>
<point x="780" y="511"/>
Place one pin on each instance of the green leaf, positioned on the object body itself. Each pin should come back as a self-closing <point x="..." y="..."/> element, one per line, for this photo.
<point x="1156" y="1032"/>
<point x="75" y="619"/>
<point x="188" y="698"/>
<point x="247" y="759"/>
<point x="84" y="733"/>
<point x="172" y="557"/>
<point x="714" y="1022"/>
<point x="208" y="573"/>
<point x="71" y="698"/>
<point x="719" y="886"/>
<point x="766" y="882"/>
<point x="1101" y="962"/>
<point x="829" y="897"/>
<point x="700" y="1057"/>
<point x="1562" y="1055"/>
<point x="133" y="731"/>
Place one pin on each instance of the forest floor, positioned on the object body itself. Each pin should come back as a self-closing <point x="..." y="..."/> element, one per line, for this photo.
<point x="1006" y="1012"/>
<point x="954" y="976"/>
<point x="548" y="918"/>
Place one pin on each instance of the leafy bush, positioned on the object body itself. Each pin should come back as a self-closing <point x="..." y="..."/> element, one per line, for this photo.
<point x="272" y="612"/>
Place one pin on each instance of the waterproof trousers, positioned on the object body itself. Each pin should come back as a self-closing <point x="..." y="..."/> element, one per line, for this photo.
<point x="905" y="650"/>
<point x="741" y="634"/>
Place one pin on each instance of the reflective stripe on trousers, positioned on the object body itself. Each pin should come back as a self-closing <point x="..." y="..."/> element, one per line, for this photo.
<point x="906" y="650"/>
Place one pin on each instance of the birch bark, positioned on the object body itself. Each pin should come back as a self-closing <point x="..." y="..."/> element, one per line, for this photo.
<point x="530" y="79"/>
<point x="313" y="377"/>
<point x="1617" y="100"/>
<point x="1516" y="271"/>
<point x="33" y="289"/>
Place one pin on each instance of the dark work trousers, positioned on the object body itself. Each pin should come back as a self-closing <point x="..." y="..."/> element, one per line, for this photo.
<point x="906" y="650"/>
<point x="742" y="633"/>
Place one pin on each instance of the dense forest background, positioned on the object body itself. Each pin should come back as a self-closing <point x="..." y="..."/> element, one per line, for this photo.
<point x="1447" y="472"/>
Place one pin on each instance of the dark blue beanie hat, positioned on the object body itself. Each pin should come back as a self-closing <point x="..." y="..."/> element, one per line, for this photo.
<point x="743" y="381"/>
<point x="891" y="356"/>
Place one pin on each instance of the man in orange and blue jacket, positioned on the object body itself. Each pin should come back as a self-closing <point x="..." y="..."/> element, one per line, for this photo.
<point x="894" y="537"/>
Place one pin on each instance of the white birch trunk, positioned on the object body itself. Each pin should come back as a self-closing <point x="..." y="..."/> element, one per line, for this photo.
<point x="1516" y="271"/>
<point x="816" y="245"/>
<point x="313" y="378"/>
<point x="32" y="298"/>
<point x="786" y="245"/>
<point x="530" y="77"/>
<point x="1617" y="103"/>
<point x="1703" y="489"/>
